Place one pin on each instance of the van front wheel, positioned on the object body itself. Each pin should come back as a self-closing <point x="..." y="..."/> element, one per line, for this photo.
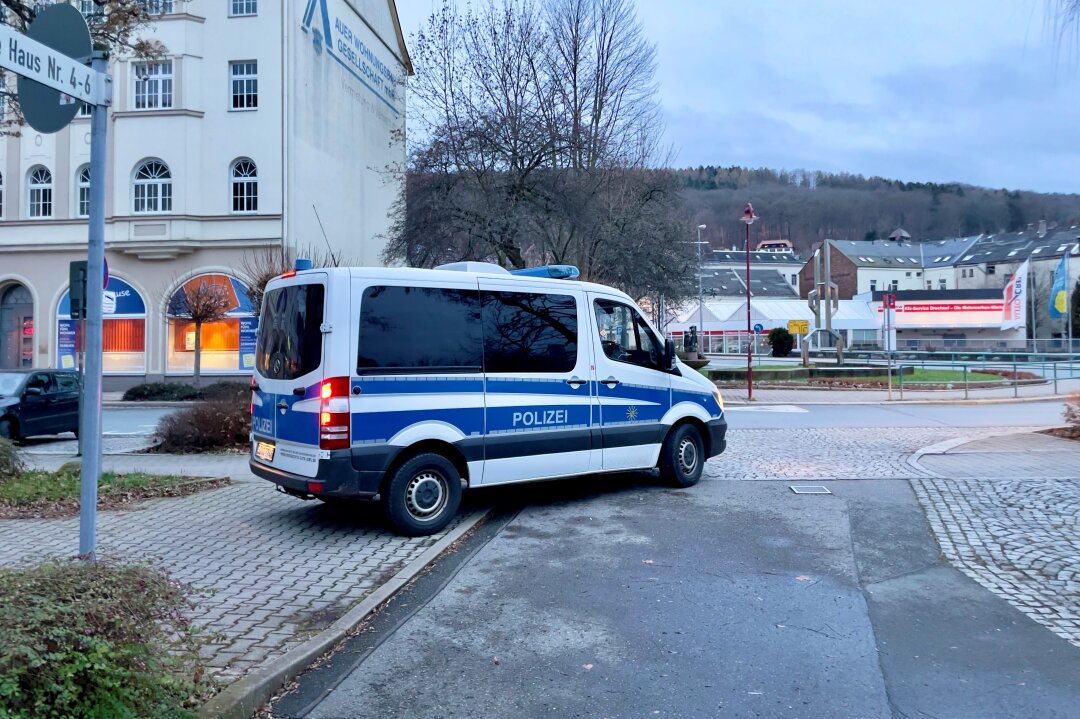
<point x="423" y="495"/>
<point x="682" y="457"/>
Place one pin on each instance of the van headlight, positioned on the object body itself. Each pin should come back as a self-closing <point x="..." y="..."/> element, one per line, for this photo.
<point x="719" y="399"/>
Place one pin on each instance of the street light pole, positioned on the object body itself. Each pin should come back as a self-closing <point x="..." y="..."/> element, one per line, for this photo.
<point x="748" y="218"/>
<point x="700" y="297"/>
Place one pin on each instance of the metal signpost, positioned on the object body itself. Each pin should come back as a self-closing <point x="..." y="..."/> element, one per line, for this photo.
<point x="50" y="61"/>
<point x="748" y="217"/>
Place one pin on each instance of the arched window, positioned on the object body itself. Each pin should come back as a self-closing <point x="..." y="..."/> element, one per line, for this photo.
<point x="1" y="195"/>
<point x="40" y="186"/>
<point x="153" y="187"/>
<point x="82" y="191"/>
<point x="226" y="344"/>
<point x="245" y="186"/>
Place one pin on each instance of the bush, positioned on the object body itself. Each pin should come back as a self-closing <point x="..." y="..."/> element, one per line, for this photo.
<point x="781" y="341"/>
<point x="96" y="640"/>
<point x="161" y="392"/>
<point x="11" y="464"/>
<point x="227" y="391"/>
<point x="1072" y="413"/>
<point x="211" y="425"/>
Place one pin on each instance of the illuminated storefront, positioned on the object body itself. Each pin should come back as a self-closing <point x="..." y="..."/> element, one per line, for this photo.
<point x="228" y="345"/>
<point x="124" y="338"/>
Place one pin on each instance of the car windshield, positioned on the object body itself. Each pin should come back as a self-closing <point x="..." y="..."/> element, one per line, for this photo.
<point x="10" y="382"/>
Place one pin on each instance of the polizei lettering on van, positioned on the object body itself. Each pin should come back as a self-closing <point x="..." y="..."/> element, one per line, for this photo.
<point x="539" y="418"/>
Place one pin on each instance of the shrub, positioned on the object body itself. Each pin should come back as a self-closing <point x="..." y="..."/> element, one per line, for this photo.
<point x="214" y="424"/>
<point x="96" y="640"/>
<point x="1072" y="413"/>
<point x="161" y="392"/>
<point x="11" y="464"/>
<point x="781" y="341"/>
<point x="227" y="391"/>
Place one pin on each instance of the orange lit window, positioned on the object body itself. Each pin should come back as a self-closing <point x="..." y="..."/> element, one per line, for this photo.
<point x="118" y="336"/>
<point x="221" y="336"/>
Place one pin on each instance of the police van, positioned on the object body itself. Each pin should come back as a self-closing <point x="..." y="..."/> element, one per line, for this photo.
<point x="402" y="385"/>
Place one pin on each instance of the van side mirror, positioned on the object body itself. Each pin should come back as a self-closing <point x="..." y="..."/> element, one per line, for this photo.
<point x="669" y="354"/>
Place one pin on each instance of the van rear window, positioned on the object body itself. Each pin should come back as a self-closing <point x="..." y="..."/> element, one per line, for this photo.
<point x="290" y="332"/>
<point x="419" y="329"/>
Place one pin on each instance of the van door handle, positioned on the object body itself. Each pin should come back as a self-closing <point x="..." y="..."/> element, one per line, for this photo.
<point x="610" y="382"/>
<point x="282" y="406"/>
<point x="576" y="382"/>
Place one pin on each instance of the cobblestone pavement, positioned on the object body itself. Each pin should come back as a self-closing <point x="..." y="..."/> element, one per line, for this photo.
<point x="830" y="453"/>
<point x="276" y="569"/>
<point x="1007" y="514"/>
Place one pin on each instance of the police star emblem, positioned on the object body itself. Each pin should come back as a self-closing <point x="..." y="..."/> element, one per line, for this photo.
<point x="631" y="413"/>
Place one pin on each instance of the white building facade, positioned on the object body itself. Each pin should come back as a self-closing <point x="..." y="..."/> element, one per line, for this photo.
<point x="268" y="125"/>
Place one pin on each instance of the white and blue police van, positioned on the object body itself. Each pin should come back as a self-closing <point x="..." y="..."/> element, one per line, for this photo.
<point x="404" y="385"/>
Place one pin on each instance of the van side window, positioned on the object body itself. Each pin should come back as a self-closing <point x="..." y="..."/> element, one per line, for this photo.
<point x="529" y="332"/>
<point x="625" y="337"/>
<point x="419" y="329"/>
<point x="290" y="332"/>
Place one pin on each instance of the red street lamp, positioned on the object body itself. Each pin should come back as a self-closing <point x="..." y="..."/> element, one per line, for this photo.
<point x="748" y="217"/>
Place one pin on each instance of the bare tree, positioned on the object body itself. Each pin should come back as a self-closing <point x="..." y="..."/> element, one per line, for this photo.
<point x="258" y="267"/>
<point x="201" y="302"/>
<point x="540" y="129"/>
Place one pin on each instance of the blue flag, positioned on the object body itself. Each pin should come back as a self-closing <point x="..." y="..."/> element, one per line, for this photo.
<point x="1059" y="293"/>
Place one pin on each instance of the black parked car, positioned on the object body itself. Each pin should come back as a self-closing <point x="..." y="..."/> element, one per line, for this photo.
<point x="38" y="402"/>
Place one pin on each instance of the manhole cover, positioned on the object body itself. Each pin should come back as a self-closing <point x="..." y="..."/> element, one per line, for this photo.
<point x="809" y="489"/>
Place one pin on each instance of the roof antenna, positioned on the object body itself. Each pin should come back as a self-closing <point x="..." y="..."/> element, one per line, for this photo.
<point x="333" y="258"/>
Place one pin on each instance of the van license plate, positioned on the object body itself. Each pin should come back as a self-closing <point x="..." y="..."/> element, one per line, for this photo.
<point x="264" y="451"/>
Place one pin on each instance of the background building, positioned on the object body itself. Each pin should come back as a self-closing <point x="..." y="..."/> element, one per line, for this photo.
<point x="269" y="125"/>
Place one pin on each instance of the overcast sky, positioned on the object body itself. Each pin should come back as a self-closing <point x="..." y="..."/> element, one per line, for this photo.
<point x="975" y="91"/>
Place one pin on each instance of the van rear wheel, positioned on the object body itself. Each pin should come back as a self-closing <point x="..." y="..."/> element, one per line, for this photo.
<point x="682" y="457"/>
<point x="423" y="495"/>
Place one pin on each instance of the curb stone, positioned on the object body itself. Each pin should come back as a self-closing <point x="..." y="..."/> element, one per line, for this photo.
<point x="244" y="697"/>
<point x="945" y="446"/>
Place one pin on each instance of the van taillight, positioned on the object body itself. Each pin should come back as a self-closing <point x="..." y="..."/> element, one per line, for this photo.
<point x="334" y="414"/>
<point x="251" y="399"/>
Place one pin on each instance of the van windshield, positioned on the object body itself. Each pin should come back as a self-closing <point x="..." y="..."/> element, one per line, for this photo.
<point x="290" y="332"/>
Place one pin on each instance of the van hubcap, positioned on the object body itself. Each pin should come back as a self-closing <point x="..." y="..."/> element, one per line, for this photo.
<point x="688" y="456"/>
<point x="426" y="495"/>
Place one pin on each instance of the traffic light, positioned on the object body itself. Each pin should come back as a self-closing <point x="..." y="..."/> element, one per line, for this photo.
<point x="77" y="289"/>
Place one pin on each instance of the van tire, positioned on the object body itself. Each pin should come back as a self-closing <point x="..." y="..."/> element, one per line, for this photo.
<point x="682" y="458"/>
<point x="423" y="495"/>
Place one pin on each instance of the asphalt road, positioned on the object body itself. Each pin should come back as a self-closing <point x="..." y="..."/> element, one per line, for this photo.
<point x="619" y="598"/>
<point x="1021" y="414"/>
<point x="124" y="421"/>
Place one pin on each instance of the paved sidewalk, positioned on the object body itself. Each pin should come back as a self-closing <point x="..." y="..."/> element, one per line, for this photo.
<point x="1006" y="512"/>
<point x="810" y="395"/>
<point x="276" y="570"/>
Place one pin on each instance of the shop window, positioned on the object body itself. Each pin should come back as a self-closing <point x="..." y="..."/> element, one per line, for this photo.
<point x="123" y="331"/>
<point x="226" y="345"/>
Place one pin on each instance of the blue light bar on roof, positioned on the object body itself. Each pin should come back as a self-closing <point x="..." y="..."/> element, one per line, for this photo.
<point x="558" y="272"/>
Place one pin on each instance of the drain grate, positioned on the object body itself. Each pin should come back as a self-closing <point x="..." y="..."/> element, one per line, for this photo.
<point x="809" y="489"/>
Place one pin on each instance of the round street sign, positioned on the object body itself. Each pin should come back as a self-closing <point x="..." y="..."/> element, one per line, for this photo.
<point x="64" y="29"/>
<point x="759" y="328"/>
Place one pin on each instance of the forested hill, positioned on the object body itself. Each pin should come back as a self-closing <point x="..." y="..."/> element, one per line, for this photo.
<point x="808" y="206"/>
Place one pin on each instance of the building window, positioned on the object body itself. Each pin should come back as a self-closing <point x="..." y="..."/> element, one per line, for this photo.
<point x="794" y="278"/>
<point x="226" y="346"/>
<point x="895" y="285"/>
<point x="87" y="7"/>
<point x="942" y="284"/>
<point x="82" y="194"/>
<point x="873" y="285"/>
<point x="245" y="186"/>
<point x="240" y="8"/>
<point x="40" y="186"/>
<point x="991" y="269"/>
<point x="1" y="195"/>
<point x="123" y="330"/>
<point x="156" y="7"/>
<point x="245" y="84"/>
<point x="85" y="109"/>
<point x="929" y="285"/>
<point x="153" y="85"/>
<point x="153" y="187"/>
